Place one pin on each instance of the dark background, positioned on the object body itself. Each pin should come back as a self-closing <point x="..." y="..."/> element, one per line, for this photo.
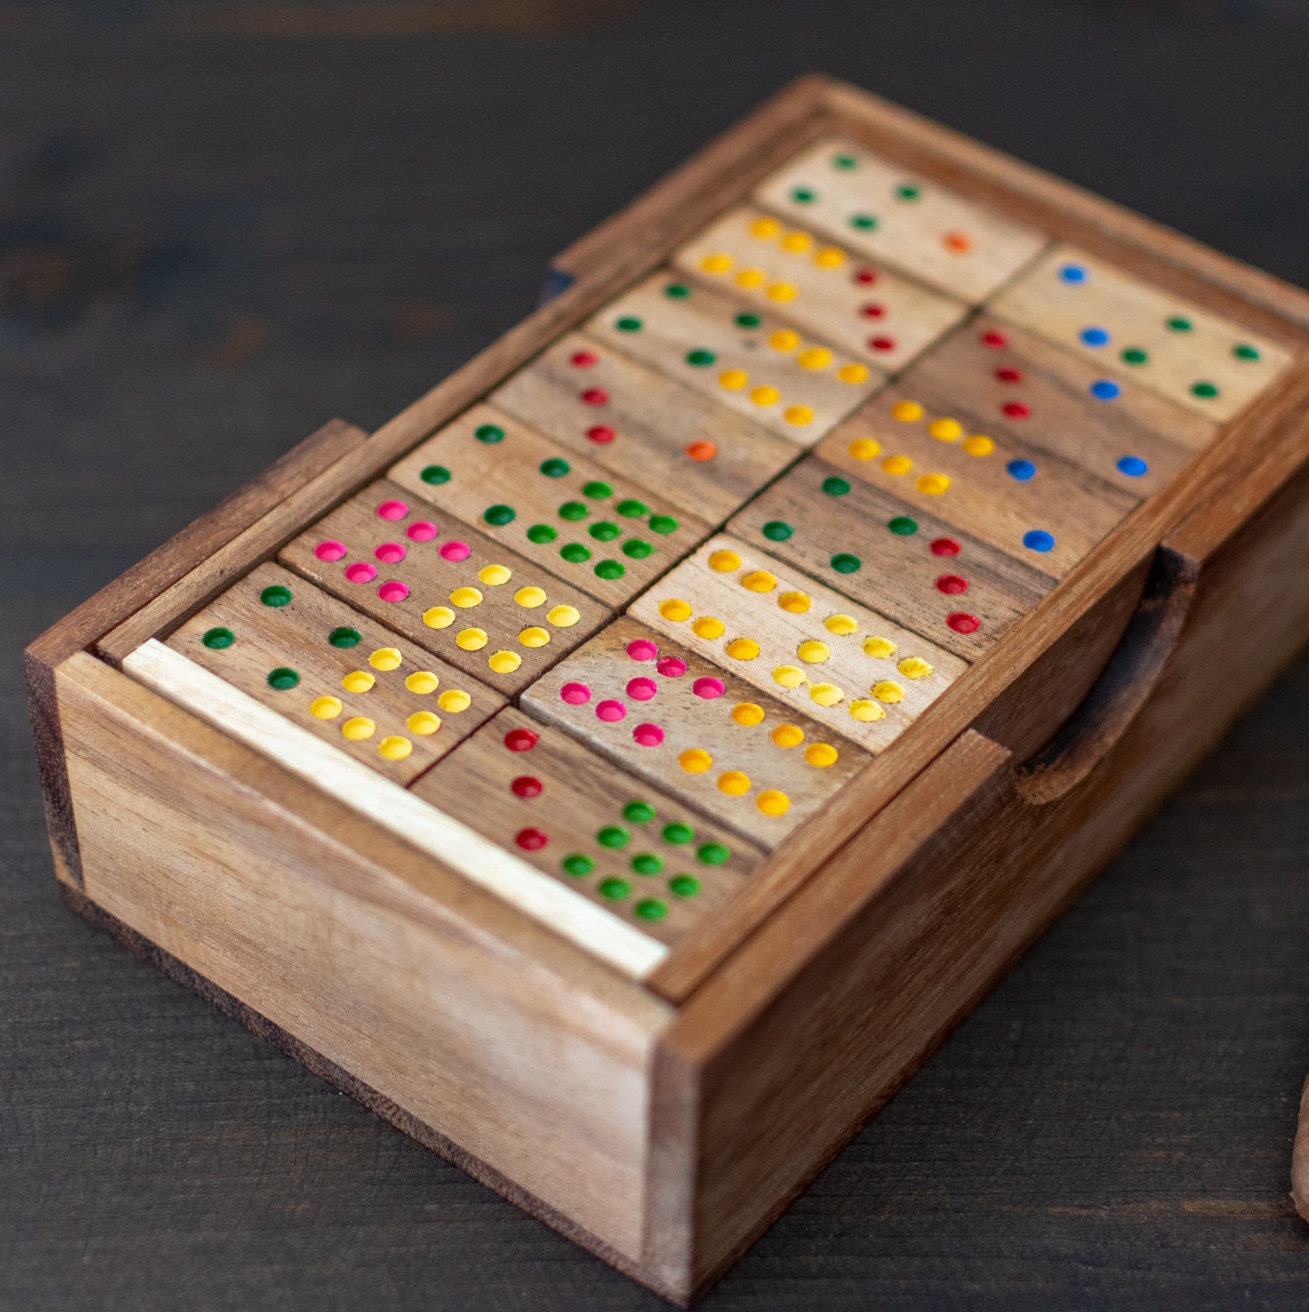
<point x="223" y="223"/>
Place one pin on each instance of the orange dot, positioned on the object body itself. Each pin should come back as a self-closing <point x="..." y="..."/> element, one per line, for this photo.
<point x="701" y="450"/>
<point x="957" y="241"/>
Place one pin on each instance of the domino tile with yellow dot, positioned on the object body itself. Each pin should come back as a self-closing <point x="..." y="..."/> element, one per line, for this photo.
<point x="445" y="586"/>
<point x="696" y="730"/>
<point x="329" y="669"/>
<point x="854" y="671"/>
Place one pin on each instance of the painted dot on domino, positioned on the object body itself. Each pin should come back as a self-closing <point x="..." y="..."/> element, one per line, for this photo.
<point x="1037" y="539"/>
<point x="671" y="667"/>
<point x="1094" y="336"/>
<point x="642" y="649"/>
<point x="648" y="735"/>
<point x="1132" y="466"/>
<point x="575" y="694"/>
<point x="1105" y="389"/>
<point x="1073" y="274"/>
<point x="1022" y="470"/>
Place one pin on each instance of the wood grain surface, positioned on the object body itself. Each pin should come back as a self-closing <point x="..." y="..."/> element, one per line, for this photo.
<point x="356" y="198"/>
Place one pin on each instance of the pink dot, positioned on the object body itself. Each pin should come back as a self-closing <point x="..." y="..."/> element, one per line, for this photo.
<point x="392" y="510"/>
<point x="389" y="552"/>
<point x="454" y="551"/>
<point x="642" y="649"/>
<point x="423" y="531"/>
<point x="361" y="572"/>
<point x="708" y="688"/>
<point x="575" y="694"/>
<point x="393" y="591"/>
<point x="672" y="667"/>
<point x="648" y="735"/>
<point x="642" y="690"/>
<point x="610" y="711"/>
<point x="330" y="550"/>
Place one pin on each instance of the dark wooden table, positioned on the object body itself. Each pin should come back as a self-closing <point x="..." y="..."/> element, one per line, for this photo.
<point x="223" y="223"/>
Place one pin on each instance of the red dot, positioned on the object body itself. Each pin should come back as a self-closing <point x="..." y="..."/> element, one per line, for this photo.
<point x="601" y="434"/>
<point x="527" y="786"/>
<point x="994" y="339"/>
<point x="865" y="276"/>
<point x="520" y="740"/>
<point x="585" y="359"/>
<point x="959" y="242"/>
<point x="531" y="840"/>
<point x="872" y="310"/>
<point x="1015" y="410"/>
<point x="701" y="450"/>
<point x="951" y="584"/>
<point x="1008" y="374"/>
<point x="595" y="396"/>
<point x="882" y="343"/>
<point x="945" y="547"/>
<point x="962" y="622"/>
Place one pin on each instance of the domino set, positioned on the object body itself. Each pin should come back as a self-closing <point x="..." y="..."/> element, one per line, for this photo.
<point x="622" y="769"/>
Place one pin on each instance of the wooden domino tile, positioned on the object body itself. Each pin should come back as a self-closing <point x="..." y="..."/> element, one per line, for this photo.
<point x="1133" y="330"/>
<point x="456" y="593"/>
<point x="887" y="213"/>
<point x="1011" y="381"/>
<point x="821" y="287"/>
<point x="608" y="537"/>
<point x="950" y="587"/>
<point x="695" y="730"/>
<point x="1033" y="505"/>
<point x="640" y="425"/>
<point x="329" y="669"/>
<point x="650" y="860"/>
<point x="751" y="361"/>
<point x="853" y="670"/>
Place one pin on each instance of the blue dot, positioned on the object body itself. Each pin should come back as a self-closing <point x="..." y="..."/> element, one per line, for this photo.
<point x="1073" y="273"/>
<point x="1037" y="539"/>
<point x="1133" y="466"/>
<point x="1094" y="336"/>
<point x="1022" y="470"/>
<point x="1105" y="390"/>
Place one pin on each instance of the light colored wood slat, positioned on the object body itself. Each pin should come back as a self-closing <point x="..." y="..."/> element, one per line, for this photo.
<point x="638" y="857"/>
<point x="949" y="587"/>
<point x="1132" y="329"/>
<point x="853" y="670"/>
<point x="607" y="536"/>
<point x="750" y="361"/>
<point x="696" y="730"/>
<point x="888" y="212"/>
<point x="398" y="809"/>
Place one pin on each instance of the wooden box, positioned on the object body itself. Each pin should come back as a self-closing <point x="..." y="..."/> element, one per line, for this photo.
<point x="622" y="768"/>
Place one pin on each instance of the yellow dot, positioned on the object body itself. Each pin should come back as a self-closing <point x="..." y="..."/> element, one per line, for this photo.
<point x="395" y="748"/>
<point x="743" y="649"/>
<point x="465" y="598"/>
<point x="908" y="411"/>
<point x="946" y="430"/>
<point x="795" y="603"/>
<point x="494" y="575"/>
<point x="422" y="682"/>
<point x="979" y="445"/>
<point x="750" y="278"/>
<point x="733" y="379"/>
<point x="814" y="357"/>
<point x="765" y="395"/>
<point x="887" y="691"/>
<point x="826" y="694"/>
<point x="841" y="625"/>
<point x="789" y="676"/>
<point x="798" y="415"/>
<point x="357" y="728"/>
<point x="563" y="617"/>
<point x="914" y="667"/>
<point x="534" y="636"/>
<point x="675" y="609"/>
<point x="813" y="652"/>
<point x="504" y="662"/>
<point x="865" y="711"/>
<point x="759" y="580"/>
<point x="423" y="723"/>
<point x="717" y="263"/>
<point x="788" y="735"/>
<point x="735" y="783"/>
<point x="821" y="755"/>
<point x="772" y="802"/>
<point x="454" y="700"/>
<point x="695" y="760"/>
<point x="932" y="485"/>
<point x="724" y="561"/>
<point x="530" y="597"/>
<point x="829" y="257"/>
<point x="747" y="713"/>
<point x="439" y="617"/>
<point x="797" y="242"/>
<point x="325" y="708"/>
<point x="864" y="448"/>
<point x="879" y="648"/>
<point x="358" y="681"/>
<point x="784" y="339"/>
<point x="853" y="373"/>
<point x="471" y="639"/>
<point x="897" y="464"/>
<point x="781" y="291"/>
<point x="386" y="658"/>
<point x="765" y="227"/>
<point x="708" y="627"/>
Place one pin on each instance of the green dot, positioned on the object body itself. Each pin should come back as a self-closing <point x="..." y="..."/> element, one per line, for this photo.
<point x="777" y="530"/>
<point x="613" y="836"/>
<point x="275" y="596"/>
<point x="573" y="510"/>
<point x="1205" y="391"/>
<point x="554" y="467"/>
<point x="499" y="515"/>
<point x="748" y="320"/>
<point x="844" y="162"/>
<point x="1179" y="324"/>
<point x="541" y="533"/>
<point x="637" y="549"/>
<point x="345" y="637"/>
<point x="489" y="433"/>
<point x="1135" y="355"/>
<point x="575" y="553"/>
<point x="283" y="677"/>
<point x="907" y="191"/>
<point x="803" y="195"/>
<point x="651" y="908"/>
<point x="903" y="526"/>
<point x="632" y="509"/>
<point x="578" y="865"/>
<point x="844" y="563"/>
<point x="638" y="813"/>
<point x="597" y="490"/>
<point x="713" y="854"/>
<point x="647" y="863"/>
<point x="678" y="833"/>
<point x="1244" y="351"/>
<point x="864" y="222"/>
<point x="663" y="524"/>
<point x="629" y="324"/>
<point x="435" y="475"/>
<point x="684" y="885"/>
<point x="835" y="487"/>
<point x="614" y="889"/>
<point x="701" y="358"/>
<point x="218" y="639"/>
<point x="610" y="569"/>
<point x="604" y="530"/>
<point x="677" y="290"/>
